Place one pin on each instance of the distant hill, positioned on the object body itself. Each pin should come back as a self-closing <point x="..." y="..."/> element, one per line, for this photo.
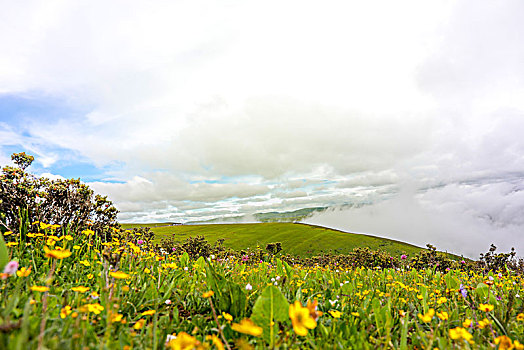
<point x="297" y="239"/>
<point x="273" y="216"/>
<point x="288" y="216"/>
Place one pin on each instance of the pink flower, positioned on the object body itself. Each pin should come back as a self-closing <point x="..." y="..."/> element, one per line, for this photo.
<point x="245" y="258"/>
<point x="403" y="256"/>
<point x="11" y="267"/>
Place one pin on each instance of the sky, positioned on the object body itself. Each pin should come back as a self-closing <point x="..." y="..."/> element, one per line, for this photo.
<point x="404" y="118"/>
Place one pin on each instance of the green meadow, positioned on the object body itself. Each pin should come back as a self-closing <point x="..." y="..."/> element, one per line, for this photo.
<point x="297" y="239"/>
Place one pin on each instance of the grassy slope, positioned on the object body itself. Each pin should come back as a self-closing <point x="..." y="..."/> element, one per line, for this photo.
<point x="299" y="239"/>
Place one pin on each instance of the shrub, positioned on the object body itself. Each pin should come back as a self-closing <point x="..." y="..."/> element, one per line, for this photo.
<point x="433" y="259"/>
<point x="68" y="203"/>
<point x="492" y="261"/>
<point x="274" y="248"/>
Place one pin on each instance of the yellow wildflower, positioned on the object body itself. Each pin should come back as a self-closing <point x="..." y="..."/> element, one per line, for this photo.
<point x="11" y="244"/>
<point x="148" y="313"/>
<point x="483" y="323"/>
<point x="518" y="345"/>
<point x="88" y="232"/>
<point x="57" y="254"/>
<point x="312" y="307"/>
<point x="94" y="308"/>
<point x="32" y="235"/>
<point x="520" y="317"/>
<point x="428" y="316"/>
<point x="486" y="307"/>
<point x="227" y="316"/>
<point x="443" y="315"/>
<point x="208" y="294"/>
<point x="23" y="272"/>
<point x="116" y="318"/>
<point x="301" y="319"/>
<point x="80" y="289"/>
<point x="216" y="342"/>
<point x="459" y="333"/>
<point x="139" y="324"/>
<point x="504" y="342"/>
<point x="39" y="289"/>
<point x="183" y="341"/>
<point x="335" y="313"/>
<point x="119" y="274"/>
<point x="247" y="326"/>
<point x="65" y="311"/>
<point x="467" y="323"/>
<point x="441" y="300"/>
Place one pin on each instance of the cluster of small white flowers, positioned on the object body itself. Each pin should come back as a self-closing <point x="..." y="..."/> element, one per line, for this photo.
<point x="249" y="287"/>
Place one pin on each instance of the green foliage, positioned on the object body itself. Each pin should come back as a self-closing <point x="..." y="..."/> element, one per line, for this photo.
<point x="4" y="255"/>
<point x="229" y="297"/>
<point x="270" y="308"/>
<point x="22" y="160"/>
<point x="23" y="228"/>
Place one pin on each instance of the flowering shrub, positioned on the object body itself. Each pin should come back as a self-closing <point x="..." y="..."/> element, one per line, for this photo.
<point x="25" y="198"/>
<point x="492" y="261"/>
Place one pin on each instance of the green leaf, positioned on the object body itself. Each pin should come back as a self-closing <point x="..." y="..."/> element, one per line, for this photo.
<point x="23" y="214"/>
<point x="4" y="255"/>
<point x="200" y="263"/>
<point x="184" y="259"/>
<point x="229" y="296"/>
<point x="451" y="281"/>
<point x="237" y="299"/>
<point x="289" y="270"/>
<point x="482" y="290"/>
<point x="271" y="307"/>
<point x="404" y="333"/>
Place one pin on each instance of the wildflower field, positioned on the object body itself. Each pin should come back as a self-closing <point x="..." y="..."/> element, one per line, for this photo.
<point x="74" y="290"/>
